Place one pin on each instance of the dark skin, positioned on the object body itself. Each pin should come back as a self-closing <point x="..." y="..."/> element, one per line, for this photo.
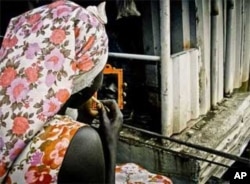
<point x="95" y="162"/>
<point x="110" y="126"/>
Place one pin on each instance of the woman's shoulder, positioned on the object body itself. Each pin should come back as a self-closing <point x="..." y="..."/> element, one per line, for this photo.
<point x="84" y="160"/>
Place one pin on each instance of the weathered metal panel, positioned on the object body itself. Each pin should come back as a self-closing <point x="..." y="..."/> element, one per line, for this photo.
<point x="178" y="123"/>
<point x="217" y="59"/>
<point x="238" y="44"/>
<point x="203" y="43"/>
<point x="186" y="88"/>
<point x="194" y="85"/>
<point x="246" y="42"/>
<point x="181" y="88"/>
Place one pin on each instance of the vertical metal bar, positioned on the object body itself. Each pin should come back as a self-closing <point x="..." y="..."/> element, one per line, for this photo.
<point x="220" y="93"/>
<point x="246" y="53"/>
<point x="203" y="43"/>
<point x="238" y="44"/>
<point x="230" y="49"/>
<point x="166" y="70"/>
<point x="214" y="52"/>
<point x="242" y="31"/>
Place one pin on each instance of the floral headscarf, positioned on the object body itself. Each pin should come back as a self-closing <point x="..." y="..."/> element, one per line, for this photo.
<point x="47" y="54"/>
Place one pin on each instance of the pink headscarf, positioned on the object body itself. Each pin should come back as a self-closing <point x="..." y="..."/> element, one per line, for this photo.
<point x="47" y="54"/>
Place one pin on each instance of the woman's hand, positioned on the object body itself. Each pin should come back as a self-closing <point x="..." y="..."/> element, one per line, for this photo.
<point x="111" y="119"/>
<point x="110" y="125"/>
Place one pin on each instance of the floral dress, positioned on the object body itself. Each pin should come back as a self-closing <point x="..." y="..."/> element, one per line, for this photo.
<point x="40" y="161"/>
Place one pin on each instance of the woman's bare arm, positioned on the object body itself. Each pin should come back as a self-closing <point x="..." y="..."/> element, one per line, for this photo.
<point x="110" y="126"/>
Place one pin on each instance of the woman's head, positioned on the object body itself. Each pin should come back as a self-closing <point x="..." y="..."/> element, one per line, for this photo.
<point x="79" y="98"/>
<point x="90" y="56"/>
<point x="82" y="101"/>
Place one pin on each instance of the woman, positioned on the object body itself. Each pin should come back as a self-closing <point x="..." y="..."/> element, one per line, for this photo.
<point x="48" y="54"/>
<point x="52" y="59"/>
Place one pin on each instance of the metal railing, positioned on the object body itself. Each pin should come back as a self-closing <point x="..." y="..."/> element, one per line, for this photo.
<point x="134" y="56"/>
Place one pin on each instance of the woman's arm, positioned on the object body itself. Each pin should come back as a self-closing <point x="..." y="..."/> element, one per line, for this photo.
<point x="104" y="143"/>
<point x="110" y="126"/>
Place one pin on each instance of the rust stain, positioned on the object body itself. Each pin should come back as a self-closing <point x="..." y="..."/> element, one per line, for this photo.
<point x="186" y="45"/>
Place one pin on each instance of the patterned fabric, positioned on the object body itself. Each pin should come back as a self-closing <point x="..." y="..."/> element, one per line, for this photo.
<point x="43" y="52"/>
<point x="134" y="174"/>
<point x="41" y="160"/>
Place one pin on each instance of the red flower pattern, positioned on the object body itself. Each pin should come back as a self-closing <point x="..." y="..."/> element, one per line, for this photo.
<point x="57" y="36"/>
<point x="85" y="63"/>
<point x="32" y="74"/>
<point x="63" y="95"/>
<point x="20" y="125"/>
<point x="34" y="18"/>
<point x="7" y="76"/>
<point x="38" y="175"/>
<point x="9" y="42"/>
